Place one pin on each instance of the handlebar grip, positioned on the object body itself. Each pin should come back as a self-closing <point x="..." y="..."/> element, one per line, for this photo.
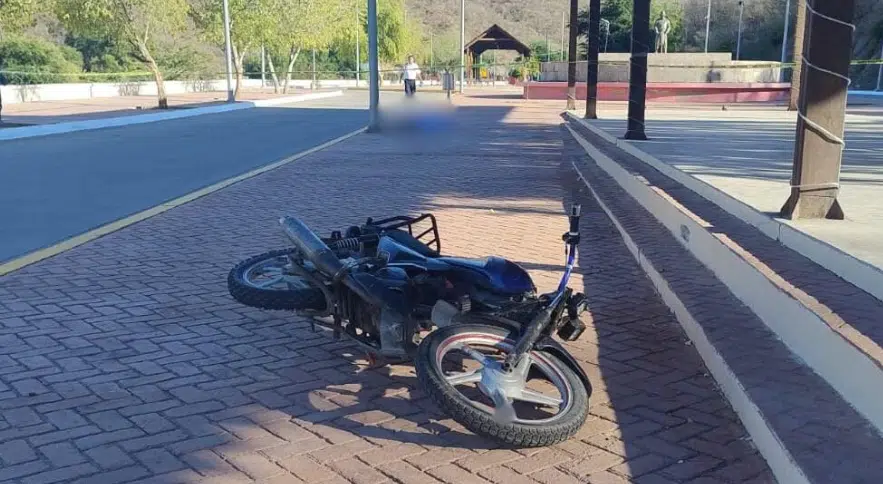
<point x="575" y="210"/>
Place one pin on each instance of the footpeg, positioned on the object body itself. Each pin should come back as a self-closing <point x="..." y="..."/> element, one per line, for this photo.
<point x="572" y="329"/>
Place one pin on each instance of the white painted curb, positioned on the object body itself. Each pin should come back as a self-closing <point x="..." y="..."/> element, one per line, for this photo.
<point x="58" y="128"/>
<point x="764" y="437"/>
<point x="856" y="271"/>
<point x="855" y="375"/>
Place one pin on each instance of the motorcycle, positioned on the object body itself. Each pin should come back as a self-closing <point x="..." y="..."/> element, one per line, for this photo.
<point x="479" y="334"/>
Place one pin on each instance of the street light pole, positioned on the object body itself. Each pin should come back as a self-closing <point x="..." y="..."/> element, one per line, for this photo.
<point x="228" y="53"/>
<point x="373" y="70"/>
<point x="263" y="66"/>
<point x="462" y="44"/>
<point x="785" y="39"/>
<point x="739" y="37"/>
<point x="563" y="26"/>
<point x="358" y="49"/>
<point x="707" y="25"/>
<point x="880" y="70"/>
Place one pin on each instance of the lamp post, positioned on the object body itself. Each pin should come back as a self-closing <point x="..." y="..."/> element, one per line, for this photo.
<point x="462" y="44"/>
<point x="785" y="39"/>
<point x="228" y="53"/>
<point x="373" y="71"/>
<point x="707" y="25"/>
<point x="739" y="37"/>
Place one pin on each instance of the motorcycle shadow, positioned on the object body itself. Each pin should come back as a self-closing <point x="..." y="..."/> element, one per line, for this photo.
<point x="384" y="405"/>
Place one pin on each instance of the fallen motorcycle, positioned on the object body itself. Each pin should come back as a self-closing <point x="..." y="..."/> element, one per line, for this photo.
<point x="490" y="363"/>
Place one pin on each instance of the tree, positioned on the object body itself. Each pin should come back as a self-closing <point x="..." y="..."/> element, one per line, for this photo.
<point x="146" y="25"/>
<point x="305" y="25"/>
<point x="248" y="20"/>
<point x="17" y="14"/>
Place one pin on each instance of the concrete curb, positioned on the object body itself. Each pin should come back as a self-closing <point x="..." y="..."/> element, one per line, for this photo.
<point x="852" y="372"/>
<point x="59" y="128"/>
<point x="856" y="271"/>
<point x="764" y="437"/>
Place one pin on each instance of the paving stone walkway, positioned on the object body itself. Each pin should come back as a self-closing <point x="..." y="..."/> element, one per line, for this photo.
<point x="125" y="359"/>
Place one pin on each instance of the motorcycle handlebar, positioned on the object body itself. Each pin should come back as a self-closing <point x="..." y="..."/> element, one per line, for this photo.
<point x="575" y="210"/>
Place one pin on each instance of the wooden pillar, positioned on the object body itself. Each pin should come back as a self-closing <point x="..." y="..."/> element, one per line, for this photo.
<point x="815" y="177"/>
<point x="592" y="59"/>
<point x="571" y="54"/>
<point x="638" y="70"/>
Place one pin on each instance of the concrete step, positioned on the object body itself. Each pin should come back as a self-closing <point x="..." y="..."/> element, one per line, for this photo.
<point x="793" y="347"/>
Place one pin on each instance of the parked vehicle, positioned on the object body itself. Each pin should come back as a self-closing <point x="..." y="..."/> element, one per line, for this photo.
<point x="479" y="334"/>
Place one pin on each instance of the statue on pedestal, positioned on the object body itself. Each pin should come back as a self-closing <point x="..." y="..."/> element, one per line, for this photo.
<point x="662" y="27"/>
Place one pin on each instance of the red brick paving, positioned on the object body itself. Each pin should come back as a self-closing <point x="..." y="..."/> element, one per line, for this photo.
<point x="130" y="351"/>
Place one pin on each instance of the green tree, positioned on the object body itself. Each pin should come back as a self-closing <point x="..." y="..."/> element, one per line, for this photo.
<point x="35" y="61"/>
<point x="146" y="25"/>
<point x="619" y="13"/>
<point x="306" y="25"/>
<point x="248" y="21"/>
<point x="18" y="14"/>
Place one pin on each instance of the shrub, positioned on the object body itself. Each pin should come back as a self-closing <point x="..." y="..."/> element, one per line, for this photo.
<point x="25" y="60"/>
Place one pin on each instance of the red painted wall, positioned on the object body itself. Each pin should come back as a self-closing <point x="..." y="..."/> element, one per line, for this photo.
<point x="667" y="92"/>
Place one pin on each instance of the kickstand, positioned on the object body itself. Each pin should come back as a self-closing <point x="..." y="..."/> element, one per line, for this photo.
<point x="338" y="324"/>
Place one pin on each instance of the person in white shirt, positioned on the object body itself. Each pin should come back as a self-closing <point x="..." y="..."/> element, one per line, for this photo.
<point x="410" y="74"/>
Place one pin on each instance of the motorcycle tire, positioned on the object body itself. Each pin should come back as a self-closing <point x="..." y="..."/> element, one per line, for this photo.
<point x="291" y="299"/>
<point x="481" y="420"/>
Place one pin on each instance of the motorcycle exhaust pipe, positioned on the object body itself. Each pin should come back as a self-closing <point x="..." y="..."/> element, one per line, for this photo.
<point x="311" y="246"/>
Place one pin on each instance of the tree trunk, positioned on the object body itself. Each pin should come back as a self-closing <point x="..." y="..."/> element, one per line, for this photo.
<point x="238" y="58"/>
<point x="162" y="100"/>
<point x="799" y="28"/>
<point x="273" y="73"/>
<point x="293" y="53"/>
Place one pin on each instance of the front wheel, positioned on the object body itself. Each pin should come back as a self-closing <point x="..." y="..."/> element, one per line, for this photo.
<point x="541" y="402"/>
<point x="265" y="281"/>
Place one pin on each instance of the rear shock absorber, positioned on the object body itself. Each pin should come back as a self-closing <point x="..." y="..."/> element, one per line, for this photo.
<point x="351" y="243"/>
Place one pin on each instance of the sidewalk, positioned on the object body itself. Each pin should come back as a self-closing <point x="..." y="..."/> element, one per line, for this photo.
<point x="125" y="359"/>
<point x="747" y="153"/>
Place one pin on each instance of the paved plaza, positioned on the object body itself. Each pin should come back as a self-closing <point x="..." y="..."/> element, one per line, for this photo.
<point x="747" y="152"/>
<point x="126" y="360"/>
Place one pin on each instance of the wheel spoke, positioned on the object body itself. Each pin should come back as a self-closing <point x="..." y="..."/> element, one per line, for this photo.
<point x="464" y="377"/>
<point x="532" y="396"/>
<point x="266" y="284"/>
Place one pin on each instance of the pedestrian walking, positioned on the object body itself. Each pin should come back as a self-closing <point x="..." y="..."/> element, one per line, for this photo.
<point x="410" y="74"/>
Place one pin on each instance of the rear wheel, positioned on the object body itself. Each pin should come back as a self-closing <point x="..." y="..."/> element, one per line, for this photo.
<point x="540" y="403"/>
<point x="266" y="281"/>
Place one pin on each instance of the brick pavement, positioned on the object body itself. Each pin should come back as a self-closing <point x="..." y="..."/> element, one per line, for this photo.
<point x="125" y="359"/>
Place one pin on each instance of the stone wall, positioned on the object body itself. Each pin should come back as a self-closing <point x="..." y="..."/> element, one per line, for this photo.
<point x="672" y="67"/>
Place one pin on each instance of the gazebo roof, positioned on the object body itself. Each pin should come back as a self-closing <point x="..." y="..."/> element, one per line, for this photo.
<point x="496" y="38"/>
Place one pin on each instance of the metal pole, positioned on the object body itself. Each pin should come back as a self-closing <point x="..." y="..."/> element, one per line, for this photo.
<point x="707" y="25"/>
<point x="593" y="39"/>
<point x="462" y="44"/>
<point x="228" y="52"/>
<point x="739" y="37"/>
<point x="373" y="71"/>
<point x="263" y="66"/>
<point x="606" y="32"/>
<point x="785" y="39"/>
<point x="494" y="79"/>
<point x="358" y="48"/>
<point x="880" y="69"/>
<point x="314" y="85"/>
<point x="563" y="26"/>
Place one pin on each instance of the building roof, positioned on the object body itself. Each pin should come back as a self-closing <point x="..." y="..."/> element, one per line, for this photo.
<point x="496" y="38"/>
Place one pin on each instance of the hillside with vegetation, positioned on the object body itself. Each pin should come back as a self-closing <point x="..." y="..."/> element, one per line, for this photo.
<point x="44" y="41"/>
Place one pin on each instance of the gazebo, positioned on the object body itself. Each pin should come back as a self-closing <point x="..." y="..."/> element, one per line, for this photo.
<point x="493" y="38"/>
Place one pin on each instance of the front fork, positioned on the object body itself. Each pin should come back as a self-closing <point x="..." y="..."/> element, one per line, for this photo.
<point x="563" y="299"/>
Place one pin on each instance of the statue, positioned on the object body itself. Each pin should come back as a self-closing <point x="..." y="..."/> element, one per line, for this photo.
<point x="662" y="28"/>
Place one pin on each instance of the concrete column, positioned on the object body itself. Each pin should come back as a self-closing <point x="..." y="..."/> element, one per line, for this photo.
<point x="592" y="59"/>
<point x="638" y="70"/>
<point x="815" y="176"/>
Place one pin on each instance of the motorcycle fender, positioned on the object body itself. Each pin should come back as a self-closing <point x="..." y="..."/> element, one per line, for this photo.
<point x="551" y="346"/>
